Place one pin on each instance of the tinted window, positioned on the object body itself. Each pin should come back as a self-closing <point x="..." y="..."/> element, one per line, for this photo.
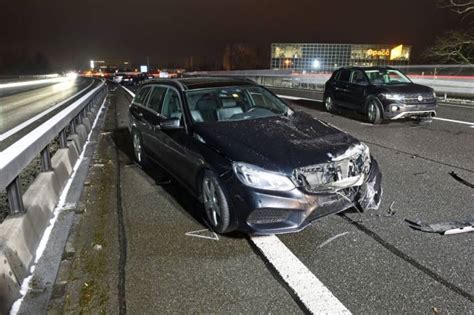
<point x="141" y="96"/>
<point x="344" y="75"/>
<point x="156" y="98"/>
<point x="171" y="105"/>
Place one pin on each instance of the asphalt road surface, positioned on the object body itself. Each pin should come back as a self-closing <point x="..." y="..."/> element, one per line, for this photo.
<point x="372" y="263"/>
<point x="18" y="109"/>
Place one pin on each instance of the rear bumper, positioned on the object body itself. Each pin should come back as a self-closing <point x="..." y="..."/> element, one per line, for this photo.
<point x="260" y="212"/>
<point x="407" y="110"/>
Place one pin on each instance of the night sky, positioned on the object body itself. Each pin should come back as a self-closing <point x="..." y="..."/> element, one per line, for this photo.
<point x="70" y="33"/>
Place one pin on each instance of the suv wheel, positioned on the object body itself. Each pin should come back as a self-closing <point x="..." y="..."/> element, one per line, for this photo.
<point x="373" y="114"/>
<point x="215" y="203"/>
<point x="329" y="103"/>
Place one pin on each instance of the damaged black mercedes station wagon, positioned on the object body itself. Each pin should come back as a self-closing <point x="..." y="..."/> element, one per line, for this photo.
<point x="256" y="165"/>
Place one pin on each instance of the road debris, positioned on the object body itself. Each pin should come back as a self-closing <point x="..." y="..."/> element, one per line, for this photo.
<point x="444" y="228"/>
<point x="461" y="180"/>
<point x="204" y="233"/>
<point x="97" y="247"/>
<point x="331" y="239"/>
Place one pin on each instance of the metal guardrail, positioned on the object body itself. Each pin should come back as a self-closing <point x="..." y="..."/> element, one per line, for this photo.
<point x="447" y="80"/>
<point x="21" y="153"/>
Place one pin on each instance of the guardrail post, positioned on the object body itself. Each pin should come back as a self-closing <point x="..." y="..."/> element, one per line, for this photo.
<point x="62" y="139"/>
<point x="15" y="198"/>
<point x="46" y="160"/>
<point x="72" y="126"/>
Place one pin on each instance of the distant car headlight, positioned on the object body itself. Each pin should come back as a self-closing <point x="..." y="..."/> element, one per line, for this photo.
<point x="393" y="97"/>
<point x="256" y="177"/>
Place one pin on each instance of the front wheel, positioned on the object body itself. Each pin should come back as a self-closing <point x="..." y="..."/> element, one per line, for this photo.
<point x="373" y="113"/>
<point x="215" y="203"/>
<point x="329" y="104"/>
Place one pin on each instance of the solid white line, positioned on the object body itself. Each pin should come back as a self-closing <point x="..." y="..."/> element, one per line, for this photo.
<point x="25" y="285"/>
<point x="455" y="121"/>
<point x="12" y="131"/>
<point x="312" y="292"/>
<point x="298" y="98"/>
<point x="128" y="91"/>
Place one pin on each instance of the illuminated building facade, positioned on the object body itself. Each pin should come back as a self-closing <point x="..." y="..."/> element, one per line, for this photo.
<point x="308" y="57"/>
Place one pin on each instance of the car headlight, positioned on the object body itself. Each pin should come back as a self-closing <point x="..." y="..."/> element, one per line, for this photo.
<point x="256" y="177"/>
<point x="393" y="97"/>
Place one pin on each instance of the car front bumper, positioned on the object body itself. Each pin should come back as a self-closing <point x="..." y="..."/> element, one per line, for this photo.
<point x="409" y="110"/>
<point x="263" y="212"/>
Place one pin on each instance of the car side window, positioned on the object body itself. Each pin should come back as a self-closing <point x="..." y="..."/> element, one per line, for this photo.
<point x="141" y="96"/>
<point x="156" y="98"/>
<point x="171" y="105"/>
<point x="357" y="77"/>
<point x="344" y="75"/>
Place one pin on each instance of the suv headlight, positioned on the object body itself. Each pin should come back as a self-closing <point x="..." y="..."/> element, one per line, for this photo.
<point x="393" y="97"/>
<point x="256" y="177"/>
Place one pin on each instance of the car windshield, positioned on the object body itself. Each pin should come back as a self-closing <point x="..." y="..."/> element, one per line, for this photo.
<point x="234" y="103"/>
<point x="386" y="76"/>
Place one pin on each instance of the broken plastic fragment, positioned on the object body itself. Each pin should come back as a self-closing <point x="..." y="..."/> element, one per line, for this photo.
<point x="454" y="227"/>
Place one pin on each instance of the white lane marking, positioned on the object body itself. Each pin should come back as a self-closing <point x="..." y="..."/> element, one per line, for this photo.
<point x="332" y="239"/>
<point x="199" y="234"/>
<point x="128" y="91"/>
<point x="61" y="206"/>
<point x="455" y="121"/>
<point x="12" y="131"/>
<point x="312" y="292"/>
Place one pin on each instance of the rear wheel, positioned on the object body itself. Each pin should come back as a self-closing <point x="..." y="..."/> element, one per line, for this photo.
<point x="215" y="203"/>
<point x="373" y="113"/>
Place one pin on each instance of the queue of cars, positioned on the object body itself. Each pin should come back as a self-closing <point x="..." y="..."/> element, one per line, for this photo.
<point x="257" y="165"/>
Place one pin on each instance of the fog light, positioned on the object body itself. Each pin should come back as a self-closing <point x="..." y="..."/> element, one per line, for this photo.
<point x="394" y="108"/>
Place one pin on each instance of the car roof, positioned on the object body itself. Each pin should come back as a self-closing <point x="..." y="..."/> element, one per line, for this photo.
<point x="193" y="83"/>
<point x="366" y="68"/>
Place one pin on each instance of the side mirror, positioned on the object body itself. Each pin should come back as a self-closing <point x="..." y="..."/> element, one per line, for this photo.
<point x="170" y="124"/>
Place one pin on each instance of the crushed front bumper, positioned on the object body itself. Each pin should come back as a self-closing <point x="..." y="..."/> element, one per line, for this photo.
<point x="262" y="212"/>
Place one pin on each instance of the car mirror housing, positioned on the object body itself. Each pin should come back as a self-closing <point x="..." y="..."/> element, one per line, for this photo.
<point x="170" y="124"/>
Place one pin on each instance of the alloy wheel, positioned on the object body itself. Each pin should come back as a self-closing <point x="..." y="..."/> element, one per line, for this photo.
<point x="371" y="111"/>
<point x="328" y="104"/>
<point x="137" y="147"/>
<point x="211" y="201"/>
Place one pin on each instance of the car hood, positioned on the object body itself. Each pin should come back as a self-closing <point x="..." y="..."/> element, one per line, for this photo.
<point x="406" y="88"/>
<point x="277" y="143"/>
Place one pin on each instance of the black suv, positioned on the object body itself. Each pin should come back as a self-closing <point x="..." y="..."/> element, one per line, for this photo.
<point x="379" y="93"/>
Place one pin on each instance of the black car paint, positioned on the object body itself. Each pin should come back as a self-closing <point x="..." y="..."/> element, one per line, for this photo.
<point x="355" y="96"/>
<point x="279" y="143"/>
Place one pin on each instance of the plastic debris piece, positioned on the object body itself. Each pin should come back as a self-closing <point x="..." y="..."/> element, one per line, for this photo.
<point x="445" y="228"/>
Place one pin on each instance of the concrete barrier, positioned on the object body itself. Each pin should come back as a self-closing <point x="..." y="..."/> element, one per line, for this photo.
<point x="21" y="234"/>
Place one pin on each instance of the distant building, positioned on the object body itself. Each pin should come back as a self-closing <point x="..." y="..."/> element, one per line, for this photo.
<point x="326" y="57"/>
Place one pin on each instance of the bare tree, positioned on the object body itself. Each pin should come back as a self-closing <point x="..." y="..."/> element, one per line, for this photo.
<point x="465" y="8"/>
<point x="452" y="47"/>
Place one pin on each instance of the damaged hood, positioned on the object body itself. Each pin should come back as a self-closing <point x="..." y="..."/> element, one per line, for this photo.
<point x="277" y="143"/>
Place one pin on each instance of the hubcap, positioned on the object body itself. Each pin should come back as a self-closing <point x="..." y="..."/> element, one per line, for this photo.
<point x="328" y="103"/>
<point x="137" y="147"/>
<point x="211" y="203"/>
<point x="371" y="112"/>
